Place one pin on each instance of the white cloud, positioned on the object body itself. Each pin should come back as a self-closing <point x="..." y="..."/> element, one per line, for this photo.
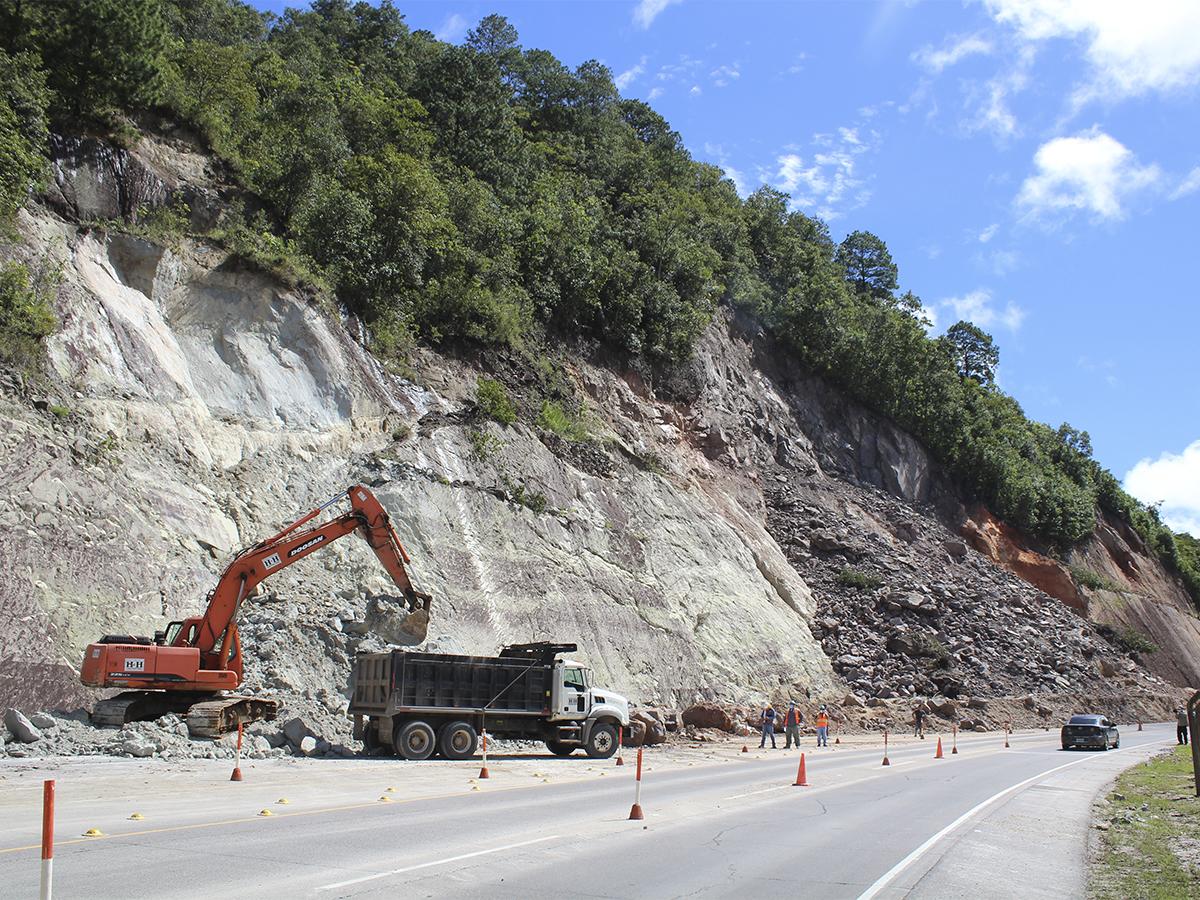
<point x="630" y="75"/>
<point x="988" y="233"/>
<point x="1174" y="480"/>
<point x="830" y="184"/>
<point x="978" y="307"/>
<point x="655" y="93"/>
<point x="453" y="30"/>
<point x="1189" y="185"/>
<point x="953" y="52"/>
<point x="930" y="317"/>
<point x="695" y="91"/>
<point x="648" y="10"/>
<point x="1091" y="171"/>
<point x="1133" y="48"/>
<point x="722" y="75"/>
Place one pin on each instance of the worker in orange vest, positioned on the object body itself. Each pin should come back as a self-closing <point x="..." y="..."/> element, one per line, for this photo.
<point x="822" y="727"/>
<point x="791" y="724"/>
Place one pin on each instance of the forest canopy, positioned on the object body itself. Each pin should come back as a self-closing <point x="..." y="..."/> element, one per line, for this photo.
<point x="487" y="192"/>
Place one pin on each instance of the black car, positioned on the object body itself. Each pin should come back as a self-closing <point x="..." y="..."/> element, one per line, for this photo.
<point x="1090" y="731"/>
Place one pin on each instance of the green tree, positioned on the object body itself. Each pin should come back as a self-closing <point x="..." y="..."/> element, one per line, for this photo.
<point x="105" y="53"/>
<point x="869" y="267"/>
<point x="972" y="351"/>
<point x="23" y="130"/>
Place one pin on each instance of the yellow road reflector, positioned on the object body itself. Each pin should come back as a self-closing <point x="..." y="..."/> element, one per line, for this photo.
<point x="282" y="801"/>
<point x="475" y="788"/>
<point x="93" y="832"/>
<point x="265" y="812"/>
<point x="390" y="789"/>
<point x="137" y="816"/>
<point x="385" y="799"/>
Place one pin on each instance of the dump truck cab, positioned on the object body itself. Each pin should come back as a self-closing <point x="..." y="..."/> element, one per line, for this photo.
<point x="574" y="694"/>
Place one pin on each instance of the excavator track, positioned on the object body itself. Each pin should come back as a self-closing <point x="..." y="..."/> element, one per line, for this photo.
<point x="137" y="706"/>
<point x="218" y="716"/>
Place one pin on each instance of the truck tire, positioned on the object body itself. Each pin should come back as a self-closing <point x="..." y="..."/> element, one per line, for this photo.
<point x="601" y="742"/>
<point x="560" y="749"/>
<point x="371" y="741"/>
<point x="458" y="740"/>
<point x="414" y="740"/>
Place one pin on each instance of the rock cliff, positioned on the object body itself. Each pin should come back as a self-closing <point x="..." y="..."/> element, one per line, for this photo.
<point x="746" y="532"/>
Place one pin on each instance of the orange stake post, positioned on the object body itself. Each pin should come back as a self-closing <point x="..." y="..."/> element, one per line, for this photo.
<point x="886" y="761"/>
<point x="483" y="771"/>
<point x="954" y="741"/>
<point x="636" y="811"/>
<point x="47" y="886"/>
<point x="620" y="744"/>
<point x="801" y="775"/>
<point x="237" y="757"/>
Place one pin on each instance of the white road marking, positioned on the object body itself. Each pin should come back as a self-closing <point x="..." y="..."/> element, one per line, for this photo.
<point x="891" y="874"/>
<point x="436" y="862"/>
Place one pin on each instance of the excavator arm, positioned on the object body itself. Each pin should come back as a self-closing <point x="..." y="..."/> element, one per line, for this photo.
<point x="216" y="634"/>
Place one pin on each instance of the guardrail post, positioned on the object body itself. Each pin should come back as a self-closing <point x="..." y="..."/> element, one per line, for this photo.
<point x="1193" y="717"/>
<point x="47" y="880"/>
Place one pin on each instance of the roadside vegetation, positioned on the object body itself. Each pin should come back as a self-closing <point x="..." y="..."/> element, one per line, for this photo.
<point x="486" y="192"/>
<point x="1150" y="834"/>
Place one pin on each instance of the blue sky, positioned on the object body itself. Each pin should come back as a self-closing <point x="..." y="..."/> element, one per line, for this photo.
<point x="1033" y="165"/>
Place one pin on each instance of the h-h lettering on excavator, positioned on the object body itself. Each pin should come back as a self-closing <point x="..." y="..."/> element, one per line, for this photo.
<point x="188" y="667"/>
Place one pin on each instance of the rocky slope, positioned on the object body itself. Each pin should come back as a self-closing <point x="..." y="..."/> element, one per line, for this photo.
<point x="748" y="533"/>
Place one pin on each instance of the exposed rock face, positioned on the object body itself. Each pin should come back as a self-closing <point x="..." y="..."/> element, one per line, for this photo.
<point x="693" y="550"/>
<point x="1006" y="546"/>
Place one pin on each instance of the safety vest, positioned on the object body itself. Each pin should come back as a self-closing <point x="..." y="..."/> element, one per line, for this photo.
<point x="793" y="717"/>
<point x="822" y="720"/>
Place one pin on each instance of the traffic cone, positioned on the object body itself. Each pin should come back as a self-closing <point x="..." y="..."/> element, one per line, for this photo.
<point x="938" y="755"/>
<point x="745" y="749"/>
<point x="635" y="812"/>
<point x="801" y="778"/>
<point x="837" y="740"/>
<point x="237" y="759"/>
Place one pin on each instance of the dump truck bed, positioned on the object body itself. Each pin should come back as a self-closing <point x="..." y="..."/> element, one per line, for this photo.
<point x="387" y="683"/>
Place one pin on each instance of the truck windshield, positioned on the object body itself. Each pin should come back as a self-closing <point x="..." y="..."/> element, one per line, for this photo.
<point x="574" y="678"/>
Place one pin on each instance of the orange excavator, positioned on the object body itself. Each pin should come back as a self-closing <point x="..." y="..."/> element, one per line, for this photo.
<point x="188" y="667"/>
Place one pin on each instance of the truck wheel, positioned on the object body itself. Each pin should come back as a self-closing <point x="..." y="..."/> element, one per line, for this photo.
<point x="414" y="740"/>
<point x="602" y="742"/>
<point x="458" y="740"/>
<point x="560" y="749"/>
<point x="371" y="741"/>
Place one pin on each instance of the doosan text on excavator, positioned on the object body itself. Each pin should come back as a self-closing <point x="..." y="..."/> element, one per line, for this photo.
<point x="189" y="667"/>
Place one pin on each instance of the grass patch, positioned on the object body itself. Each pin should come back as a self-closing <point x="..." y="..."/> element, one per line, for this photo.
<point x="1133" y="641"/>
<point x="1093" y="580"/>
<point x="533" y="500"/>
<point x="493" y="401"/>
<point x="26" y="316"/>
<point x="1151" y="846"/>
<point x="483" y="445"/>
<point x="556" y="419"/>
<point x="853" y="578"/>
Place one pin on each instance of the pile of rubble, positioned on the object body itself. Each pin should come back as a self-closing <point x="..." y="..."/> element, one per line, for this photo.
<point x="907" y="610"/>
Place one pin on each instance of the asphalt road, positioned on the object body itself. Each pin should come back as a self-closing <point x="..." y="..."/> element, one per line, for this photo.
<point x="989" y="821"/>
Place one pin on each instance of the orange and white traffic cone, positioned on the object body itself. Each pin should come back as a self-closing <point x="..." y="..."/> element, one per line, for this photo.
<point x="801" y="775"/>
<point x="237" y="758"/>
<point x="939" y="755"/>
<point x="636" y="811"/>
<point x="745" y="749"/>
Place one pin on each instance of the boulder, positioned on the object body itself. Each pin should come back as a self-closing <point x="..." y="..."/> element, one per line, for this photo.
<point x="977" y="703"/>
<point x="707" y="715"/>
<point x="956" y="548"/>
<point x="138" y="745"/>
<point x="944" y="707"/>
<point x="635" y="735"/>
<point x="43" y="720"/>
<point x="852" y="701"/>
<point x="655" y="732"/>
<point x="308" y="745"/>
<point x="295" y="730"/>
<point x="21" y="728"/>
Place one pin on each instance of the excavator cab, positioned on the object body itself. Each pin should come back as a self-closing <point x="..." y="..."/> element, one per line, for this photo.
<point x="167" y="636"/>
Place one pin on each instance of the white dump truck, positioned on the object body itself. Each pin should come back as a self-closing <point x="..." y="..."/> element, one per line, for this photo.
<point x="419" y="704"/>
